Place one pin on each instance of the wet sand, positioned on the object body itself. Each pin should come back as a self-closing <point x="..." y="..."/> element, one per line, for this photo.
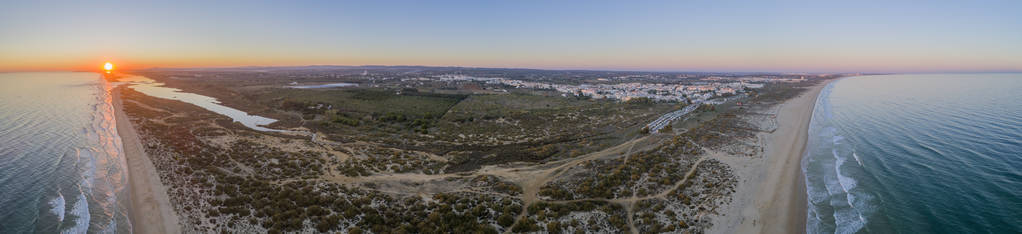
<point x="150" y="210"/>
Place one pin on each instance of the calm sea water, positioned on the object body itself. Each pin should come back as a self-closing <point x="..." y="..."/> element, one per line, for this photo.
<point x="935" y="153"/>
<point x="61" y="165"/>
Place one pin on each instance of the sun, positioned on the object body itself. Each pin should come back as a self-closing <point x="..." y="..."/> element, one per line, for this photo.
<point x="108" y="67"/>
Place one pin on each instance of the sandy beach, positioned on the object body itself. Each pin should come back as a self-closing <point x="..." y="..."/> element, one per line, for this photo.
<point x="150" y="210"/>
<point x="771" y="197"/>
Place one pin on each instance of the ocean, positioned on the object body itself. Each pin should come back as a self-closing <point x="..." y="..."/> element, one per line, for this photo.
<point x="921" y="153"/>
<point x="61" y="163"/>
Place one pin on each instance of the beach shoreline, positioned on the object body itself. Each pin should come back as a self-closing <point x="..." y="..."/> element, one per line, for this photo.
<point x="150" y="210"/>
<point x="771" y="197"/>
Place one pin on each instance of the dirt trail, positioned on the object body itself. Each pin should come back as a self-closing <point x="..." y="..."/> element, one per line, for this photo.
<point x="629" y="202"/>
<point x="531" y="179"/>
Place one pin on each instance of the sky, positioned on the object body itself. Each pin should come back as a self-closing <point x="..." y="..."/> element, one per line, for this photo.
<point x="740" y="36"/>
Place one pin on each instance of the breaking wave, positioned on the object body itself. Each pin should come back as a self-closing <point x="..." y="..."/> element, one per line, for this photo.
<point x="836" y="204"/>
<point x="62" y="153"/>
<point x="926" y="153"/>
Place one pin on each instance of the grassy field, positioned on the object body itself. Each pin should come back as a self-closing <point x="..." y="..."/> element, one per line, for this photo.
<point x="468" y="130"/>
<point x="370" y="101"/>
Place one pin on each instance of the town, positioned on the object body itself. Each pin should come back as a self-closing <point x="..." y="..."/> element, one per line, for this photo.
<point x="698" y="91"/>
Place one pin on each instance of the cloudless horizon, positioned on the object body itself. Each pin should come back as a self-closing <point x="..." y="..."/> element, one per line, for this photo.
<point x="738" y="36"/>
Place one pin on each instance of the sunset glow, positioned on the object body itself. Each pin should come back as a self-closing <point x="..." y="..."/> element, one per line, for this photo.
<point x="108" y="67"/>
<point x="709" y="37"/>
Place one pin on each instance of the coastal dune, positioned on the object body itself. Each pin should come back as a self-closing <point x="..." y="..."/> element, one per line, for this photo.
<point x="150" y="210"/>
<point x="770" y="198"/>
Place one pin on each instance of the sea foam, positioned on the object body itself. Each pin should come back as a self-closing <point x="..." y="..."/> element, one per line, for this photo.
<point x="57" y="209"/>
<point x="81" y="212"/>
<point x="834" y="203"/>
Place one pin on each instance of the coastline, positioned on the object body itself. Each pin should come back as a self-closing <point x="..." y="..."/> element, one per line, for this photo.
<point x="772" y="195"/>
<point x="770" y="198"/>
<point x="150" y="210"/>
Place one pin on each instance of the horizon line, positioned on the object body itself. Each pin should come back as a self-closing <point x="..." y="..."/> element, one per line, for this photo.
<point x="539" y="69"/>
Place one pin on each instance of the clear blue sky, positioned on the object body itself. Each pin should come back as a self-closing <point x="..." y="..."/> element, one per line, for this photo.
<point x="813" y="36"/>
